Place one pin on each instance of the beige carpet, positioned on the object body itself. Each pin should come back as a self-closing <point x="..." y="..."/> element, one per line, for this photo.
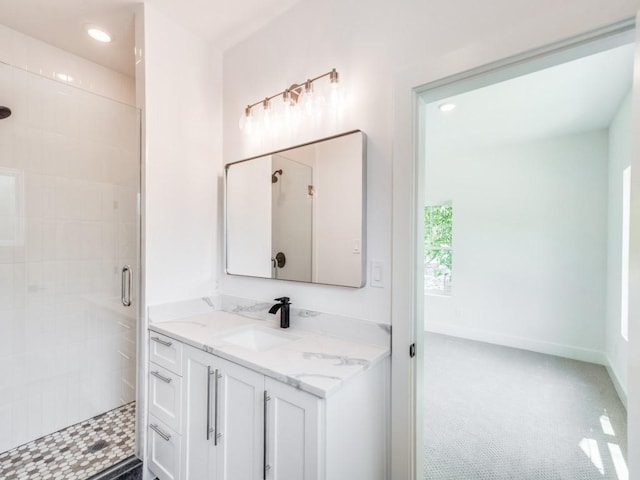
<point x="494" y="413"/>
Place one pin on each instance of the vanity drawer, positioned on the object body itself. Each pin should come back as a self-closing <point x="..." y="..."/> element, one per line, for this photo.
<point x="165" y="351"/>
<point x="164" y="450"/>
<point x="165" y="396"/>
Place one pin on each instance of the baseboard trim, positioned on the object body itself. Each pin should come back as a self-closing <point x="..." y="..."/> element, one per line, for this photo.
<point x="622" y="393"/>
<point x="549" y="348"/>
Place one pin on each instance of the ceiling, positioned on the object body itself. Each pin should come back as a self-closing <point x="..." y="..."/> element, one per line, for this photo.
<point x="578" y="96"/>
<point x="62" y="23"/>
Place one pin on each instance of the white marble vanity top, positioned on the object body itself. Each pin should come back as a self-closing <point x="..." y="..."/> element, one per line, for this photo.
<point x="313" y="362"/>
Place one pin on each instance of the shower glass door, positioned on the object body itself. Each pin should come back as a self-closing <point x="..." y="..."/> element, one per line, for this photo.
<point x="69" y="225"/>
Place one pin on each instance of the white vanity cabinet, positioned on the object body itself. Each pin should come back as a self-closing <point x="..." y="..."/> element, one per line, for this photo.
<point x="165" y="407"/>
<point x="222" y="417"/>
<point x="238" y="424"/>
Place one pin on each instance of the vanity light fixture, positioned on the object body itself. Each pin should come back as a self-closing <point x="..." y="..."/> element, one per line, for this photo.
<point x="298" y="97"/>
<point x="99" y="34"/>
<point x="447" y="107"/>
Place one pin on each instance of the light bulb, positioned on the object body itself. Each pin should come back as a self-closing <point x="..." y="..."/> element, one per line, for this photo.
<point x="290" y="108"/>
<point x="267" y="119"/>
<point x="334" y="93"/>
<point x="295" y="115"/>
<point x="267" y="114"/>
<point x="246" y="119"/>
<point x="307" y="99"/>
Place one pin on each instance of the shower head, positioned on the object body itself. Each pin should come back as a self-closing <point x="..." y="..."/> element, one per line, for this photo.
<point x="5" y="112"/>
<point x="274" y="179"/>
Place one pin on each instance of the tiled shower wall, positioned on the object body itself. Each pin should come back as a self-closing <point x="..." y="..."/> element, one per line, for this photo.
<point x="69" y="181"/>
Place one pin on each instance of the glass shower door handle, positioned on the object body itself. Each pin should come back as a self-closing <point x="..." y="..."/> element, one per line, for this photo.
<point x="126" y="286"/>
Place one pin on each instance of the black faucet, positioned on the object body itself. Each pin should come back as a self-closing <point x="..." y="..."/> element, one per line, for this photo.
<point x="283" y="306"/>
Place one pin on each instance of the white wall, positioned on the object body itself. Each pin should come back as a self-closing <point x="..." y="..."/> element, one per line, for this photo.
<point x="633" y="378"/>
<point x="371" y="44"/>
<point x="383" y="50"/>
<point x="30" y="54"/>
<point x="620" y="142"/>
<point x="529" y="245"/>
<point x="355" y="39"/>
<point x="338" y="208"/>
<point x="181" y="95"/>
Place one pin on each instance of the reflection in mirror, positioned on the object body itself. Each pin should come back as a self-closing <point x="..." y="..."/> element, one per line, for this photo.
<point x="11" y="207"/>
<point x="298" y="214"/>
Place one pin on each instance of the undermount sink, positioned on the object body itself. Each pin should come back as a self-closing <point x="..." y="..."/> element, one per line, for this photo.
<point x="258" y="338"/>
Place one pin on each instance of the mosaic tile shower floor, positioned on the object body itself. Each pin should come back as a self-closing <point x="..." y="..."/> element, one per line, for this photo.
<point x="75" y="453"/>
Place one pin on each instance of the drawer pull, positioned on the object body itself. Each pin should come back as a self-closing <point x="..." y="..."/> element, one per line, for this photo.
<point x="161" y="377"/>
<point x="156" y="429"/>
<point x="162" y="342"/>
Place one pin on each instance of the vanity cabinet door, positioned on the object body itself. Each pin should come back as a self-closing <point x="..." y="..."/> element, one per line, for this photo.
<point x="293" y="435"/>
<point x="240" y="423"/>
<point x="198" y="454"/>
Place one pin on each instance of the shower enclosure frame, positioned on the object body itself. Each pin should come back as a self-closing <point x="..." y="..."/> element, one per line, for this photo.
<point x="135" y="277"/>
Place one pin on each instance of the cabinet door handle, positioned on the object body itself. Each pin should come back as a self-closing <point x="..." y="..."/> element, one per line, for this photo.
<point x="157" y="429"/>
<point x="209" y="373"/>
<point x="216" y="435"/>
<point x="161" y="377"/>
<point x="265" y="466"/>
<point x="162" y="342"/>
<point x="126" y="286"/>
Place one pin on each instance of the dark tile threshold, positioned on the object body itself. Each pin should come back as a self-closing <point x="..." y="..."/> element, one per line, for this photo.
<point x="127" y="469"/>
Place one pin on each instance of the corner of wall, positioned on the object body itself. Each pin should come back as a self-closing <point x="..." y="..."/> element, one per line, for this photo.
<point x="617" y="383"/>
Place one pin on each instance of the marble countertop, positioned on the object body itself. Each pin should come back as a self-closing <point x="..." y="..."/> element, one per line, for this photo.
<point x="316" y="363"/>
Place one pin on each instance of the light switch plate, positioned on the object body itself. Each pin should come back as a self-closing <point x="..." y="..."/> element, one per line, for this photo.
<point x="356" y="246"/>
<point x="377" y="274"/>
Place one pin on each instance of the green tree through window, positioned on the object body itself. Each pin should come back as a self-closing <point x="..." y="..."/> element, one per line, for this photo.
<point x="438" y="238"/>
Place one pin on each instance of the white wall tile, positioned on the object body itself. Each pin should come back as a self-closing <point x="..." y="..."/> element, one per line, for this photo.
<point x="5" y="420"/>
<point x="92" y="202"/>
<point x="19" y="418"/>
<point x="34" y="410"/>
<point x="6" y="286"/>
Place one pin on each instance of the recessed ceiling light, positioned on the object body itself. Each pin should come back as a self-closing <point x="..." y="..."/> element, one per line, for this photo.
<point x="99" y="34"/>
<point x="447" y="107"/>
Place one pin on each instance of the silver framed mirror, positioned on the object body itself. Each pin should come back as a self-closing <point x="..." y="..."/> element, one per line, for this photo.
<point x="299" y="214"/>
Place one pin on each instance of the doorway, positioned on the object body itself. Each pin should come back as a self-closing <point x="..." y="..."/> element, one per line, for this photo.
<point x="524" y="269"/>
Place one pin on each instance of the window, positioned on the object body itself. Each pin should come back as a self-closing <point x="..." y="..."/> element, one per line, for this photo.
<point x="438" y="228"/>
<point x="624" y="297"/>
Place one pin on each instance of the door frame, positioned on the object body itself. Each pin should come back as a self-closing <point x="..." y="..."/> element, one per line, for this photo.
<point x="433" y="82"/>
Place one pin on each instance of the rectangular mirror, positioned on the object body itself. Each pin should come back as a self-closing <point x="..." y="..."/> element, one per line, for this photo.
<point x="299" y="214"/>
